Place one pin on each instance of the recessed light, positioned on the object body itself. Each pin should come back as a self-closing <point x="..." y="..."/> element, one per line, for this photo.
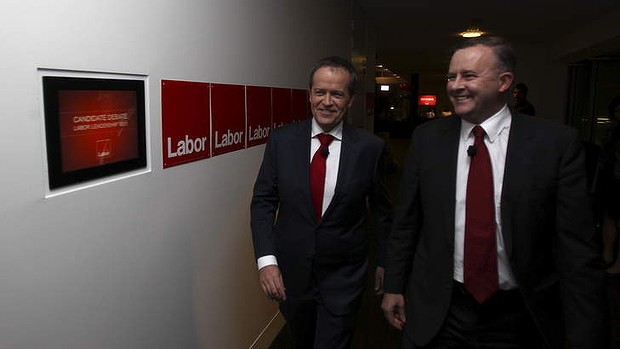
<point x="471" y="33"/>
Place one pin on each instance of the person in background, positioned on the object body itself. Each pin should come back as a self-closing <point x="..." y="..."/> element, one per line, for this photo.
<point x="520" y="102"/>
<point x="492" y="244"/>
<point x="317" y="183"/>
<point x="609" y="177"/>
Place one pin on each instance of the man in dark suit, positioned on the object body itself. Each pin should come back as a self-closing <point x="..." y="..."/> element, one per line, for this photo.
<point x="311" y="243"/>
<point x="513" y="260"/>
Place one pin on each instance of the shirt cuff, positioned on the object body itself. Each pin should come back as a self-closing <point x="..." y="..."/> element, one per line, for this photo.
<point x="266" y="261"/>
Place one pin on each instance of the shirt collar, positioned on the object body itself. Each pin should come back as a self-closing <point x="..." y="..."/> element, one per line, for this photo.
<point x="336" y="132"/>
<point x="493" y="126"/>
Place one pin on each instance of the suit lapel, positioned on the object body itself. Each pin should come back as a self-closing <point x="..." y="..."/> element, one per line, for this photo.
<point x="348" y="153"/>
<point x="300" y="155"/>
<point x="447" y="149"/>
<point x="520" y="148"/>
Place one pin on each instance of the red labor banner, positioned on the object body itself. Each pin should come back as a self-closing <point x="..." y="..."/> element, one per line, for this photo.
<point x="258" y="101"/>
<point x="300" y="105"/>
<point x="227" y="118"/>
<point x="281" y="107"/>
<point x="186" y="129"/>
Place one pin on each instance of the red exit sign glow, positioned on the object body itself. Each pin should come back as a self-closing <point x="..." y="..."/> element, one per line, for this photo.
<point x="427" y="100"/>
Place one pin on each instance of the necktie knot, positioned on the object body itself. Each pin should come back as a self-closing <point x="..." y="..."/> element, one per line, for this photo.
<point x="325" y="139"/>
<point x="478" y="132"/>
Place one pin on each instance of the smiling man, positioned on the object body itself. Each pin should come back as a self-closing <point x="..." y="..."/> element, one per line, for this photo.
<point x="318" y="179"/>
<point x="492" y="244"/>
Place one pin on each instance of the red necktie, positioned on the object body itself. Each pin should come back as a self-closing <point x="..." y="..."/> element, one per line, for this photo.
<point x="317" y="173"/>
<point x="481" y="279"/>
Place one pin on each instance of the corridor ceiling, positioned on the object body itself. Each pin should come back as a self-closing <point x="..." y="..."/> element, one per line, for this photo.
<point x="416" y="35"/>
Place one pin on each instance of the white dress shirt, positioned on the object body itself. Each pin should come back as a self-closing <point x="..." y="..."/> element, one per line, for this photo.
<point x="331" y="173"/>
<point x="497" y="129"/>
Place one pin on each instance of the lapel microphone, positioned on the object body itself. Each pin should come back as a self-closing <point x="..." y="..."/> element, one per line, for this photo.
<point x="325" y="152"/>
<point x="471" y="151"/>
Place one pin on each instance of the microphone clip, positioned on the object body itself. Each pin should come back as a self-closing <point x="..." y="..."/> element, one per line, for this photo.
<point x="325" y="152"/>
<point x="471" y="151"/>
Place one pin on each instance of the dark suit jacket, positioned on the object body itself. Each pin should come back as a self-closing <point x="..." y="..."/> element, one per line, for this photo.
<point x="330" y="251"/>
<point x="546" y="226"/>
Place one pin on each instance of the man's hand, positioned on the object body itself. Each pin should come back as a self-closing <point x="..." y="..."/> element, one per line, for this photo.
<point x="393" y="306"/>
<point x="379" y="273"/>
<point x="272" y="284"/>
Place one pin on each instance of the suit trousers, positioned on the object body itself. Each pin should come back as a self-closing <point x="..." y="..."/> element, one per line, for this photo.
<point x="502" y="322"/>
<point x="313" y="326"/>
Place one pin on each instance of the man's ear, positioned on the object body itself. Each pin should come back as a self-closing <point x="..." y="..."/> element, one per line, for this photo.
<point x="505" y="79"/>
<point x="351" y="101"/>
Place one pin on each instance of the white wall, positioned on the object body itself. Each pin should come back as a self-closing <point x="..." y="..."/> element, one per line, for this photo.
<point x="162" y="259"/>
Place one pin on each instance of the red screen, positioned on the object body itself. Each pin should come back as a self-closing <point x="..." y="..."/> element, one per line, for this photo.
<point x="96" y="127"/>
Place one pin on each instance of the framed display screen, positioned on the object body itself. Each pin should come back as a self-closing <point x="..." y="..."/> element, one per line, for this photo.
<point x="94" y="128"/>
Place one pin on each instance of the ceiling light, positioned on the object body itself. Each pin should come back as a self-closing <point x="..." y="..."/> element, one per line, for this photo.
<point x="471" y="33"/>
